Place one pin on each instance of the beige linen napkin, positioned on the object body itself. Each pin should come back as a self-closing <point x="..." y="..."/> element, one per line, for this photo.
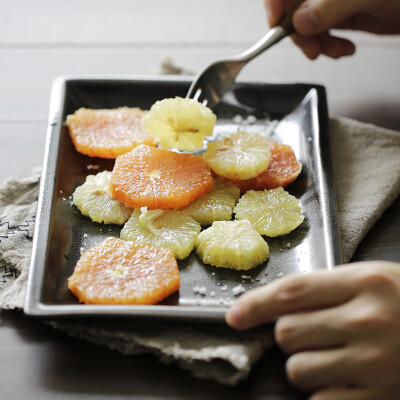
<point x="366" y="166"/>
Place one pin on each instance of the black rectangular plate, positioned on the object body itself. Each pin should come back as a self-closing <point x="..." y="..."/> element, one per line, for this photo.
<point x="294" y="114"/>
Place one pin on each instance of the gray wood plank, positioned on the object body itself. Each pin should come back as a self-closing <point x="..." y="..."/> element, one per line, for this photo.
<point x="21" y="148"/>
<point x="139" y="23"/>
<point x="127" y="21"/>
<point x="365" y="86"/>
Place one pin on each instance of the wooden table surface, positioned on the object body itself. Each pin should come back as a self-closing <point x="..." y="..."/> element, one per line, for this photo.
<point x="44" y="39"/>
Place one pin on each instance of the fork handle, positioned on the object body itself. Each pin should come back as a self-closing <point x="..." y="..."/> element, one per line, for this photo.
<point x="274" y="35"/>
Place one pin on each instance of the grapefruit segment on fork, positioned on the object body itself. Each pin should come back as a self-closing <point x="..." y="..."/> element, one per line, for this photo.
<point x="180" y="123"/>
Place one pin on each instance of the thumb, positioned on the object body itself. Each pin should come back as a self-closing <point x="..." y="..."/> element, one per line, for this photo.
<point x="317" y="16"/>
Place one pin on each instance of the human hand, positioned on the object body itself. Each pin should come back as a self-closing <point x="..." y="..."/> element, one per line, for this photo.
<point x="314" y="18"/>
<point x="340" y="328"/>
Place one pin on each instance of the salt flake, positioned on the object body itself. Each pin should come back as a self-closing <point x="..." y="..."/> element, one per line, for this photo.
<point x="91" y="166"/>
<point x="237" y="290"/>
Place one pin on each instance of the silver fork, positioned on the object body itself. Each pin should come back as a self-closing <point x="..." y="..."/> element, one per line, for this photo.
<point x="215" y="80"/>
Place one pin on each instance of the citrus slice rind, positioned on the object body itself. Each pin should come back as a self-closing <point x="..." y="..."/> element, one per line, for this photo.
<point x="159" y="179"/>
<point x="180" y="123"/>
<point x="120" y="272"/>
<point x="238" y="156"/>
<point x="107" y="133"/>
<point x="272" y="212"/>
<point x="232" y="244"/>
<point x="166" y="228"/>
<point x="94" y="200"/>
<point x="216" y="205"/>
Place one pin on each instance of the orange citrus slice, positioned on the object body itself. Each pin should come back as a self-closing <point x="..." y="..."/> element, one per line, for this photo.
<point x="107" y="133"/>
<point x="120" y="272"/>
<point x="159" y="179"/>
<point x="282" y="170"/>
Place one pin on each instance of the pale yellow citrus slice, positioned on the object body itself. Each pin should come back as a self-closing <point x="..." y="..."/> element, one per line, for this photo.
<point x="179" y="123"/>
<point x="238" y="156"/>
<point x="165" y="228"/>
<point x="272" y="212"/>
<point x="94" y="200"/>
<point x="216" y="205"/>
<point x="232" y="244"/>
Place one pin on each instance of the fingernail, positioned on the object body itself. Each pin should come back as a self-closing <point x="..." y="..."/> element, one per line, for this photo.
<point x="234" y="316"/>
<point x="305" y="20"/>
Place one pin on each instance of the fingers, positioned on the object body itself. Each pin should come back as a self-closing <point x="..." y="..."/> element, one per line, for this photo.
<point x="276" y="9"/>
<point x="314" y="16"/>
<point x="289" y="295"/>
<point x="359" y="363"/>
<point x="331" y="46"/>
<point x="343" y="394"/>
<point x="309" y="38"/>
<point x="335" y="47"/>
<point x="368" y="23"/>
<point x="310" y="46"/>
<point x="323" y="368"/>
<point x="340" y="328"/>
<point x="310" y="331"/>
<point x="317" y="16"/>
